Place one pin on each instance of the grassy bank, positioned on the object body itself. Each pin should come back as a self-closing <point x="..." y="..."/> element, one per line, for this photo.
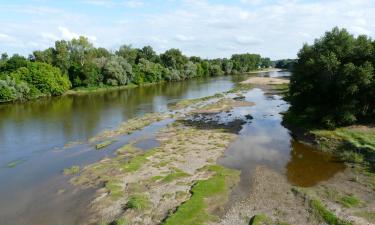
<point x="205" y="196"/>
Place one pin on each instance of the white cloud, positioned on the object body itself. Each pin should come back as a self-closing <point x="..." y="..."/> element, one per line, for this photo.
<point x="5" y="37"/>
<point x="67" y="34"/>
<point x="113" y="3"/>
<point x="247" y="40"/>
<point x="276" y="29"/>
<point x="181" y="37"/>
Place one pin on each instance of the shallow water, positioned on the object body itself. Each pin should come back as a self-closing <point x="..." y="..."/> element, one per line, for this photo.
<point x="33" y="134"/>
<point x="265" y="141"/>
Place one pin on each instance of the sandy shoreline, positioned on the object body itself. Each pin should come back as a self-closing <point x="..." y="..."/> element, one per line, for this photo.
<point x="265" y="80"/>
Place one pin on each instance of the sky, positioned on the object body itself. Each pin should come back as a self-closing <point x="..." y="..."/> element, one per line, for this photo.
<point x="205" y="28"/>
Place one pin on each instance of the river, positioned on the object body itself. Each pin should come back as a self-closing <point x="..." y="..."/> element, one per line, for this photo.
<point x="32" y="134"/>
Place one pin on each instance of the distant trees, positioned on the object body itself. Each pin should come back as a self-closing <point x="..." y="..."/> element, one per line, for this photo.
<point x="333" y="80"/>
<point x="77" y="63"/>
<point x="117" y="71"/>
<point x="246" y="62"/>
<point x="285" y="64"/>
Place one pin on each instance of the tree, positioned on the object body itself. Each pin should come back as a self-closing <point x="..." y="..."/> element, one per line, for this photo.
<point x="246" y="62"/>
<point x="149" y="54"/>
<point x="46" y="56"/>
<point x="227" y="66"/>
<point x="15" y="62"/>
<point x="117" y="71"/>
<point x="62" y="56"/>
<point x="149" y="71"/>
<point x="215" y="70"/>
<point x="128" y="53"/>
<point x="44" y="77"/>
<point x="333" y="79"/>
<point x="285" y="64"/>
<point x="81" y="51"/>
<point x="265" y="62"/>
<point x="190" y="70"/>
<point x="173" y="58"/>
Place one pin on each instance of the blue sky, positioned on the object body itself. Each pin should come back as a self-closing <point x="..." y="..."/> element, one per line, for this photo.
<point x="207" y="28"/>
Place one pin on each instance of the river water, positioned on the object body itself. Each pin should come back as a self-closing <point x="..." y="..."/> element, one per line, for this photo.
<point x="32" y="134"/>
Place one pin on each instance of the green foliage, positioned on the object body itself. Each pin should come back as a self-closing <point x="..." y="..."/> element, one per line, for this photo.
<point x="173" y="58"/>
<point x="246" y="62"/>
<point x="137" y="161"/>
<point x="114" y="188"/>
<point x="117" y="71"/>
<point x="322" y="212"/>
<point x="32" y="80"/>
<point x="285" y="64"/>
<point x="44" y="77"/>
<point x="194" y="211"/>
<point x="262" y="219"/>
<point x="353" y="144"/>
<point x="78" y="64"/>
<point x="14" y="163"/>
<point x="121" y="221"/>
<point x="104" y="144"/>
<point x="174" y="176"/>
<point x="138" y="202"/>
<point x="349" y="201"/>
<point x="72" y="170"/>
<point x="333" y="80"/>
<point x="148" y="72"/>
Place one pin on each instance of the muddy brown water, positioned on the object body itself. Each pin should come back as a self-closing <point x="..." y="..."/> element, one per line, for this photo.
<point x="34" y="191"/>
<point x="265" y="141"/>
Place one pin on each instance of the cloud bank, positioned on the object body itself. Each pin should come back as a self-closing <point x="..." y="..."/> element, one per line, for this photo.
<point x="273" y="28"/>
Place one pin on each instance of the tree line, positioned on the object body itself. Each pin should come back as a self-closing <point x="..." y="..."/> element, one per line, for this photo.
<point x="77" y="63"/>
<point x="333" y="81"/>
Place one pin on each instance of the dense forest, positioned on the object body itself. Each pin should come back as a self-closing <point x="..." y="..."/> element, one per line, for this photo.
<point x="333" y="80"/>
<point x="77" y="63"/>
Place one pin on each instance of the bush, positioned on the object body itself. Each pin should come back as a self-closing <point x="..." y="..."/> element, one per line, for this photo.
<point x="32" y="81"/>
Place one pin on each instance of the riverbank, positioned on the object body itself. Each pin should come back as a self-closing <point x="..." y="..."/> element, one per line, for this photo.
<point x="347" y="198"/>
<point x="266" y="70"/>
<point x="171" y="183"/>
<point x="179" y="182"/>
<point x="82" y="90"/>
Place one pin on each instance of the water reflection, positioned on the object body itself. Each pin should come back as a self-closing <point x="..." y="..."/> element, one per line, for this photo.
<point x="307" y="166"/>
<point x="41" y="125"/>
<point x="265" y="141"/>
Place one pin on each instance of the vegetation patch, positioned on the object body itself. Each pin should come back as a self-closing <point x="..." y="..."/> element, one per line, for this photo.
<point x="353" y="144"/>
<point x="138" y="202"/>
<point x="195" y="211"/>
<point x="137" y="161"/>
<point x="131" y="125"/>
<point x="72" y="170"/>
<point x="262" y="219"/>
<point x="188" y="102"/>
<point x="175" y="175"/>
<point x="359" y="137"/>
<point x="222" y="105"/>
<point x="349" y="201"/>
<point x="328" y="216"/>
<point x="107" y="169"/>
<point x="240" y="87"/>
<point x="115" y="189"/>
<point x="104" y="144"/>
<point x="14" y="163"/>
